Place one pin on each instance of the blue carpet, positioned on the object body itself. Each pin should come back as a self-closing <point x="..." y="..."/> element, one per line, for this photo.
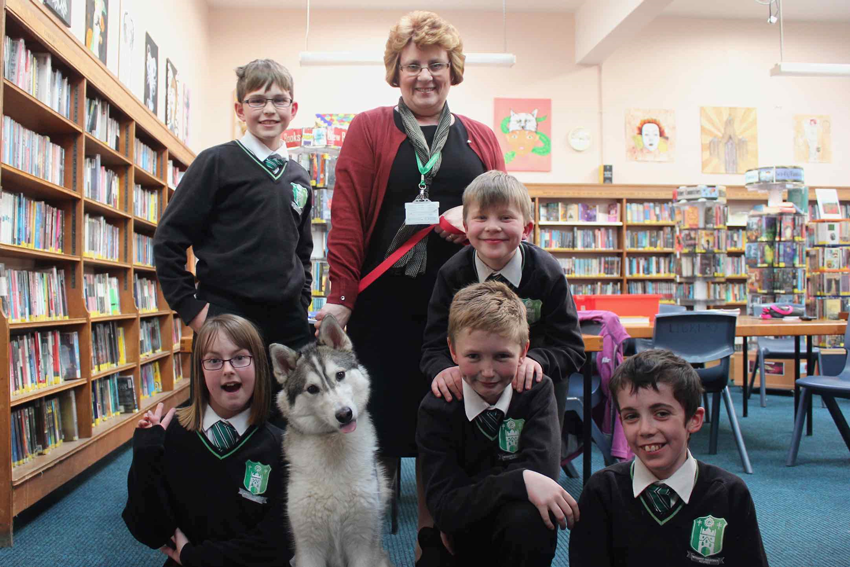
<point x="802" y="510"/>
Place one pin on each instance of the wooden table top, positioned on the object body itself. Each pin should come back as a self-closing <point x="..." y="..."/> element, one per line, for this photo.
<point x="748" y="326"/>
<point x="592" y="343"/>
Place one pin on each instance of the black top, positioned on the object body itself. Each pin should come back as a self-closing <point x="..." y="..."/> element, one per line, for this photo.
<point x="617" y="530"/>
<point x="554" y="335"/>
<point x="466" y="476"/>
<point x="252" y="242"/>
<point x="179" y="480"/>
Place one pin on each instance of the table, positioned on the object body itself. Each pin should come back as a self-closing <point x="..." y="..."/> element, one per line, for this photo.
<point x="592" y="343"/>
<point x="748" y="326"/>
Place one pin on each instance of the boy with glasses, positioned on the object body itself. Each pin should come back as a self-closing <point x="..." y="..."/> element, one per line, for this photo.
<point x="244" y="208"/>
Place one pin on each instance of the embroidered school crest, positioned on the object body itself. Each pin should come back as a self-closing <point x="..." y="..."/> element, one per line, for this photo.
<point x="256" y="477"/>
<point x="299" y="197"/>
<point x="533" y="309"/>
<point x="707" y="535"/>
<point x="509" y="434"/>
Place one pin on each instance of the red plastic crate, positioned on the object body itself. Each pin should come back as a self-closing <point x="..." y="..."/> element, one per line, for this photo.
<point x="624" y="305"/>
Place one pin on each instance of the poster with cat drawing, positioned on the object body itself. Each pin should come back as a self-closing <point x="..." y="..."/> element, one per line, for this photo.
<point x="96" y="27"/>
<point x="523" y="127"/>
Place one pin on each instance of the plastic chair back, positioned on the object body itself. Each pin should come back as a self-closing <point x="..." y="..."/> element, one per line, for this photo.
<point x="698" y="337"/>
<point x="669" y="308"/>
<point x="830" y="364"/>
<point x="845" y="372"/>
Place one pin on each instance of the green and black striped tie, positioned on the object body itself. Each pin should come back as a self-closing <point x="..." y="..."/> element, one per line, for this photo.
<point x="489" y="421"/>
<point x="661" y="498"/>
<point x="274" y="162"/>
<point x="224" y="435"/>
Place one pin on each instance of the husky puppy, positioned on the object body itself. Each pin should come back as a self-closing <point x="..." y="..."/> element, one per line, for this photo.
<point x="337" y="491"/>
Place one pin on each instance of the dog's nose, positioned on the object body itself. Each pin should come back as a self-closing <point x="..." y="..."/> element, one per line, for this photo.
<point x="344" y="415"/>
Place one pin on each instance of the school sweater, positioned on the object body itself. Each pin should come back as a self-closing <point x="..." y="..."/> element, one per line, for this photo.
<point x="554" y="331"/>
<point x="245" y="226"/>
<point x="468" y="477"/>
<point x="616" y="529"/>
<point x="231" y="512"/>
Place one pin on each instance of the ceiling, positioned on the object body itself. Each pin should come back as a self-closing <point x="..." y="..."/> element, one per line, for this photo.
<point x="798" y="10"/>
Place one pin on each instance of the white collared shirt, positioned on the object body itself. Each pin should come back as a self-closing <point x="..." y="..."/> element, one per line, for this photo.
<point x="259" y="149"/>
<point x="238" y="421"/>
<point x="682" y="481"/>
<point x="512" y="270"/>
<point x="474" y="404"/>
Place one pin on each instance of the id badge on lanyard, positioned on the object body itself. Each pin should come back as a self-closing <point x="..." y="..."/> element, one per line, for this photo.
<point x="423" y="210"/>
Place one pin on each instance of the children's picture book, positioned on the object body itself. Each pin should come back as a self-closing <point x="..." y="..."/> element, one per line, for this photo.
<point x="151" y="73"/>
<point x="828" y="206"/>
<point x="96" y="27"/>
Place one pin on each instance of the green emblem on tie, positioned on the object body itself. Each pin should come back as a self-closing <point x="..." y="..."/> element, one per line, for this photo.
<point x="256" y="477"/>
<point x="300" y="194"/>
<point x="509" y="434"/>
<point x="707" y="535"/>
<point x="533" y="309"/>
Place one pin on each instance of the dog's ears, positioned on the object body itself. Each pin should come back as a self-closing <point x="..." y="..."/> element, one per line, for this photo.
<point x="332" y="335"/>
<point x="283" y="361"/>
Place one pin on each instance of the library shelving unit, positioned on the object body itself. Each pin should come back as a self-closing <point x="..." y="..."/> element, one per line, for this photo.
<point x="828" y="263"/>
<point x="91" y="218"/>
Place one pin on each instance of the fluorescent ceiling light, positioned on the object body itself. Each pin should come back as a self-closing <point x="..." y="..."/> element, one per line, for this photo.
<point x="377" y="58"/>
<point x="785" y="69"/>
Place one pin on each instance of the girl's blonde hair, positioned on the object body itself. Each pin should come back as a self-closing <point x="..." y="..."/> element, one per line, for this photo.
<point x="424" y="29"/>
<point x="245" y="335"/>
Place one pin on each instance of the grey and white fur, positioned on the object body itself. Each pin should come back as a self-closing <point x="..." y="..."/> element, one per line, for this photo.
<point x="337" y="490"/>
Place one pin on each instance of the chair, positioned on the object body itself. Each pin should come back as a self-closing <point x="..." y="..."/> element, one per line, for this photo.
<point x="574" y="403"/>
<point x="701" y="337"/>
<point x="633" y="346"/>
<point x="829" y="388"/>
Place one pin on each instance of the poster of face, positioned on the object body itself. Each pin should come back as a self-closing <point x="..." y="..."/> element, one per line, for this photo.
<point x="62" y="9"/>
<point x="127" y="45"/>
<point x="171" y="98"/>
<point x="650" y="135"/>
<point x="524" y="129"/>
<point x="151" y="66"/>
<point x="812" y="139"/>
<point x="729" y="139"/>
<point x="96" y="30"/>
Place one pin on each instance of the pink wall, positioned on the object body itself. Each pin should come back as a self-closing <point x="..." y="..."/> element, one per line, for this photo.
<point x="675" y="63"/>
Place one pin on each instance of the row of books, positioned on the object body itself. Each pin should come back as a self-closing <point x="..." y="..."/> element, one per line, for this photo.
<point x="735" y="266"/>
<point x="651" y="265"/>
<point x="814" y="211"/>
<point x="33" y="153"/>
<point x="101" y="184"/>
<point x="829" y="284"/>
<point x="649" y="212"/>
<point x="579" y="238"/>
<point x="322" y="204"/>
<point x="176" y="331"/>
<point x="703" y="240"/>
<point x="144" y="292"/>
<point x="146" y="158"/>
<point x="29" y="296"/>
<point x="702" y="266"/>
<point x="177" y="368"/>
<point x="151" y="379"/>
<point x="597" y="288"/>
<point x="721" y="292"/>
<point x="785" y="281"/>
<point x="735" y="238"/>
<point x="29" y="223"/>
<point x="667" y="289"/>
<point x="101" y="239"/>
<point x="603" y="266"/>
<point x="143" y="249"/>
<point x="828" y="258"/>
<point x="579" y="212"/>
<point x="34" y="74"/>
<point x="659" y="238"/>
<point x="327" y="135"/>
<point x="150" y="337"/>
<point x="321" y="167"/>
<point x="834" y="233"/>
<point x="711" y="215"/>
<point x="111" y="396"/>
<point x="42" y="425"/>
<point x="174" y="175"/>
<point x="43" y="358"/>
<point x="321" y="281"/>
<point x="827" y="307"/>
<point x="779" y="226"/>
<point x="101" y="294"/>
<point x="100" y="124"/>
<point x="108" y="346"/>
<point x="316" y="304"/>
<point x="146" y="203"/>
<point x="783" y="254"/>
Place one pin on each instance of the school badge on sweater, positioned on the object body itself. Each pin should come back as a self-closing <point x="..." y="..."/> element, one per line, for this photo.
<point x="256" y="481"/>
<point x="707" y="540"/>
<point x="300" y="194"/>
<point x="509" y="434"/>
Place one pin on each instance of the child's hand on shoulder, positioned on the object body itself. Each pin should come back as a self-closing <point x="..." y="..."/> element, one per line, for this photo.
<point x="178" y="540"/>
<point x="448" y="382"/>
<point x="548" y="496"/>
<point x="526" y="372"/>
<point x="152" y="419"/>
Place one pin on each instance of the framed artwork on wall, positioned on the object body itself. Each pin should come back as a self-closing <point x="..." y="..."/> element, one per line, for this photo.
<point x="523" y="127"/>
<point x="127" y="44"/>
<point x="650" y="135"/>
<point x="729" y="139"/>
<point x="172" y="96"/>
<point x="151" y="67"/>
<point x="62" y="9"/>
<point x="812" y="138"/>
<point x="96" y="27"/>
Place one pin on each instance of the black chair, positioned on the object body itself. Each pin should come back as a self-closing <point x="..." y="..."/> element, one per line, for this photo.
<point x="632" y="346"/>
<point x="829" y="388"/>
<point x="701" y="337"/>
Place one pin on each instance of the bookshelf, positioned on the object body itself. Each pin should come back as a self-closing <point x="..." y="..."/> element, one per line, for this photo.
<point x="96" y="211"/>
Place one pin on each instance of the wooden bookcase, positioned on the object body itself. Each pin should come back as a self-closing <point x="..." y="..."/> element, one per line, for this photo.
<point x="26" y="484"/>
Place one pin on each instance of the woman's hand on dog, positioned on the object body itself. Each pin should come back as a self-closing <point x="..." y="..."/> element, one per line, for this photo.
<point x="152" y="419"/>
<point x="340" y="312"/>
<point x="449" y="381"/>
<point x="548" y="496"/>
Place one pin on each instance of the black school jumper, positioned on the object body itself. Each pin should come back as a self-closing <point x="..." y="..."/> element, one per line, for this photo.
<point x="475" y="490"/>
<point x="617" y="530"/>
<point x="178" y="479"/>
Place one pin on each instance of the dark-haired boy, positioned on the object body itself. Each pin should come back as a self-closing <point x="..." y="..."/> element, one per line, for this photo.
<point x="244" y="208"/>
<point x="665" y="507"/>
